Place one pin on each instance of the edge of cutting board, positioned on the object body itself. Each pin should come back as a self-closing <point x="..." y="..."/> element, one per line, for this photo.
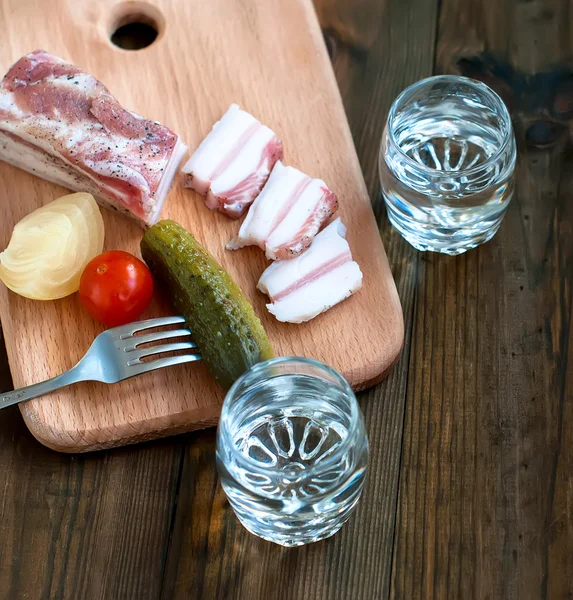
<point x="386" y="316"/>
<point x="76" y="441"/>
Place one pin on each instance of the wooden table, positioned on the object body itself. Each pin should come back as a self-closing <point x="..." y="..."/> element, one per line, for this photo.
<point x="470" y="489"/>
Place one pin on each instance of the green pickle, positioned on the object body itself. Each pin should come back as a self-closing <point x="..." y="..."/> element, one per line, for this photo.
<point x="224" y="325"/>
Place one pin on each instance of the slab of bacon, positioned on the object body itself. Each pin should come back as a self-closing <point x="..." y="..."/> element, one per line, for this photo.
<point x="288" y="213"/>
<point x="233" y="162"/>
<point x="324" y="275"/>
<point x="62" y="124"/>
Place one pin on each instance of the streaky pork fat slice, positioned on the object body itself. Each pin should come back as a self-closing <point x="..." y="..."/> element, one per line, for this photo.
<point x="232" y="164"/>
<point x="324" y="275"/>
<point x="288" y="213"/>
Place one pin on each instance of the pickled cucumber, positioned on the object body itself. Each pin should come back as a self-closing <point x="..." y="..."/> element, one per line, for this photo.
<point x="224" y="325"/>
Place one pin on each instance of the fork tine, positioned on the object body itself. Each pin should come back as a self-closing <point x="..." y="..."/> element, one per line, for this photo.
<point x="125" y="331"/>
<point x="137" y="340"/>
<point x="135" y="357"/>
<point x="160" y="363"/>
<point x="161" y="322"/>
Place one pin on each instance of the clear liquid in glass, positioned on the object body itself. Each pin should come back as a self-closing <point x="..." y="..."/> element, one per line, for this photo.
<point x="293" y="467"/>
<point x="446" y="164"/>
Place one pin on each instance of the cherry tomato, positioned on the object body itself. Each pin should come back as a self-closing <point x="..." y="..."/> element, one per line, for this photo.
<point x="115" y="288"/>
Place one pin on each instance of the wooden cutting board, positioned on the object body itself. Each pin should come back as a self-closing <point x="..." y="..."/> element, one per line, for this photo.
<point x="269" y="57"/>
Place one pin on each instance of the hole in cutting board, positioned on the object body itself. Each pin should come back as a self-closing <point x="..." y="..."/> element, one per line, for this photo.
<point x="135" y="25"/>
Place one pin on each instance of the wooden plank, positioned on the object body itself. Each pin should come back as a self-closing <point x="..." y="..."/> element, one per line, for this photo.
<point x="211" y="555"/>
<point x="83" y="527"/>
<point x="485" y="493"/>
<point x="87" y="526"/>
<point x="212" y="54"/>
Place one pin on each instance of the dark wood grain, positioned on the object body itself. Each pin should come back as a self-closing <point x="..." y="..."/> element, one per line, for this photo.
<point x="475" y="499"/>
<point x="86" y="526"/>
<point x="486" y="480"/>
<point x="82" y="527"/>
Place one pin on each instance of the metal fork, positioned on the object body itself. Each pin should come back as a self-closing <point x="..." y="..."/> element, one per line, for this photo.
<point x="116" y="355"/>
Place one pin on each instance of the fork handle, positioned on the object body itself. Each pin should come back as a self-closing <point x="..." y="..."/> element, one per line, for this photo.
<point x="39" y="389"/>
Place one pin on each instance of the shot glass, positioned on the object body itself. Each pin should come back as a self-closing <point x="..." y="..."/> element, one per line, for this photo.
<point x="446" y="163"/>
<point x="292" y="451"/>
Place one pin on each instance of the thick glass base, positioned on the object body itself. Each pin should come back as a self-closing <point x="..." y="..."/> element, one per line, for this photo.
<point x="292" y="539"/>
<point x="433" y="236"/>
<point x="293" y="523"/>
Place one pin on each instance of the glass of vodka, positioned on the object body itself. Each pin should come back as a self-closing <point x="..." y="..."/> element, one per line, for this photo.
<point x="292" y="450"/>
<point x="447" y="161"/>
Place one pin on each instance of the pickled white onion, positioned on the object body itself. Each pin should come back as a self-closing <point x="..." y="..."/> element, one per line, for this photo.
<point x="50" y="248"/>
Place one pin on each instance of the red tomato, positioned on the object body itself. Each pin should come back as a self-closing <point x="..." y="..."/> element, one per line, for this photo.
<point x="115" y="288"/>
